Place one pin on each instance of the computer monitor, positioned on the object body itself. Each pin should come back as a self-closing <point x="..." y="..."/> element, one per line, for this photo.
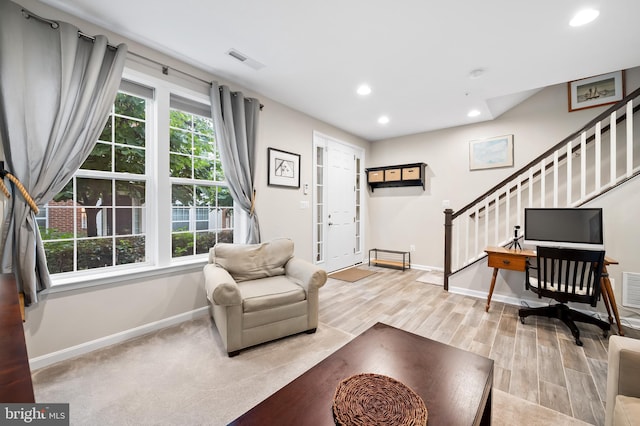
<point x="564" y="227"/>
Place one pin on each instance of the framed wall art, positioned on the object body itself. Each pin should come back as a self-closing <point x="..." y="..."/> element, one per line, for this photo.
<point x="595" y="91"/>
<point x="491" y="153"/>
<point x="283" y="168"/>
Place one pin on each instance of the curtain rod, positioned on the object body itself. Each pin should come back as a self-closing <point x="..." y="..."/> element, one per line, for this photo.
<point x="165" y="68"/>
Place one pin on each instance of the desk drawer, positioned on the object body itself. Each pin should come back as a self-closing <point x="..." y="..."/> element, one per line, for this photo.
<point x="506" y="261"/>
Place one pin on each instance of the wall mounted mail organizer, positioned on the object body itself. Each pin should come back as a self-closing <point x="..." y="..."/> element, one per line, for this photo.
<point x="394" y="176"/>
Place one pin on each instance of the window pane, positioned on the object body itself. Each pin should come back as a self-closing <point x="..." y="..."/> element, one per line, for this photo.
<point x="182" y="195"/>
<point x="204" y="241"/>
<point x="180" y="166"/>
<point x="179" y="141"/>
<point x="203" y="125"/>
<point x="130" y="250"/>
<point x="182" y="244"/>
<point x="193" y="152"/>
<point x="130" y="105"/>
<point x="129" y="160"/>
<point x="180" y="120"/>
<point x="203" y="146"/>
<point x="224" y="197"/>
<point x="60" y="224"/>
<point x="130" y="193"/>
<point x="95" y="253"/>
<point x="99" y="159"/>
<point x="198" y="213"/>
<point x="59" y="256"/>
<point x="129" y="132"/>
<point x="203" y="169"/>
<point x="106" y="134"/>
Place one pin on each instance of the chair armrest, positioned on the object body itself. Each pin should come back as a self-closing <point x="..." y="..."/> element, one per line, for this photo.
<point x="221" y="288"/>
<point x="305" y="273"/>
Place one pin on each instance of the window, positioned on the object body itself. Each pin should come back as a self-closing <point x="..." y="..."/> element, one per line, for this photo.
<point x="95" y="221"/>
<point x="202" y="208"/>
<point x="105" y="217"/>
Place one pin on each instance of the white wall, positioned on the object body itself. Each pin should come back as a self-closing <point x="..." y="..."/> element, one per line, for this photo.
<point x="278" y="208"/>
<point x="78" y="317"/>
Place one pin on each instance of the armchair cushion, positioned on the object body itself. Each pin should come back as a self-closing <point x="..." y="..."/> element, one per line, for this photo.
<point x="267" y="293"/>
<point x="626" y="411"/>
<point x="252" y="261"/>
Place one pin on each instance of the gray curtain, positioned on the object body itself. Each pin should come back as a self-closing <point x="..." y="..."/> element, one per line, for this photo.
<point x="235" y="120"/>
<point x="56" y="90"/>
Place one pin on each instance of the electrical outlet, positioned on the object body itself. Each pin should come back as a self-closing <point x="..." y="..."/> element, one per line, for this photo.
<point x="412" y="247"/>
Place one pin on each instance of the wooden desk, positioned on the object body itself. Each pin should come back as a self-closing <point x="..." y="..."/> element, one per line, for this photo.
<point x="516" y="260"/>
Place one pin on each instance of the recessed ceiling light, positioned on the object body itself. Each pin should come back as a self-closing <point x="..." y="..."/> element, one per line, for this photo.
<point x="473" y="113"/>
<point x="383" y="119"/>
<point x="584" y="17"/>
<point x="364" y="90"/>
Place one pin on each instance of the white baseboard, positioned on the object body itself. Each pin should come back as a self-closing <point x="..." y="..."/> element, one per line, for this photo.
<point x="61" y="355"/>
<point x="426" y="268"/>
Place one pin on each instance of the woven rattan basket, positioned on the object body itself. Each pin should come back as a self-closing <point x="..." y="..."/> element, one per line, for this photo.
<point x="373" y="399"/>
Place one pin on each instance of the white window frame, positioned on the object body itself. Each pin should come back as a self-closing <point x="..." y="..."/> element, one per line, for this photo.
<point x="158" y="218"/>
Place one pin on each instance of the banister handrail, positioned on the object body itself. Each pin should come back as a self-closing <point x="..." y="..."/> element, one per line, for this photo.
<point x="549" y="151"/>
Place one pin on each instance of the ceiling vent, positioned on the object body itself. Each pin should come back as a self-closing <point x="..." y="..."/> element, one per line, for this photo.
<point x="252" y="63"/>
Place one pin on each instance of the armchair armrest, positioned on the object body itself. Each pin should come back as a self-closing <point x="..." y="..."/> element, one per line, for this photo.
<point x="308" y="275"/>
<point x="221" y="288"/>
<point x="623" y="370"/>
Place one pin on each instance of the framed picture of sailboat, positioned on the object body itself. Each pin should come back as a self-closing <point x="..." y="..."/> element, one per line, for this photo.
<point x="596" y="91"/>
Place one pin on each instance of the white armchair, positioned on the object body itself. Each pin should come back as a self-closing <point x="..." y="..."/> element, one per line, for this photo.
<point x="623" y="382"/>
<point x="260" y="292"/>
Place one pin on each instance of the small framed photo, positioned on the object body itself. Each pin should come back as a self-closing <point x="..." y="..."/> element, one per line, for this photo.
<point x="491" y="153"/>
<point x="595" y="91"/>
<point x="283" y="169"/>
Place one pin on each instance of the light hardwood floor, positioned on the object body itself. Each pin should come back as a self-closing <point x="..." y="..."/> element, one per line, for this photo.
<point x="537" y="361"/>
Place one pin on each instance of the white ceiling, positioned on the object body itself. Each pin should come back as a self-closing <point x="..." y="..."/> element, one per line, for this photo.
<point x="415" y="54"/>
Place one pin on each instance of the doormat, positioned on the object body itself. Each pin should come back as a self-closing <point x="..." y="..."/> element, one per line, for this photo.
<point x="351" y="275"/>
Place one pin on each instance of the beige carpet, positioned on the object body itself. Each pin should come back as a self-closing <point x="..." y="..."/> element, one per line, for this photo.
<point x="181" y="376"/>
<point x="352" y="274"/>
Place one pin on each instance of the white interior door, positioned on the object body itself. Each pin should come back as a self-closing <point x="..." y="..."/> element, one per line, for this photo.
<point x="341" y="207"/>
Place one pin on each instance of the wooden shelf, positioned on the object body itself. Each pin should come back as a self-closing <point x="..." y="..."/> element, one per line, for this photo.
<point x="392" y="258"/>
<point x="396" y="176"/>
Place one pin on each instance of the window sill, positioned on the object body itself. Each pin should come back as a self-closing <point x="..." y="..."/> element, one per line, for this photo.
<point x="64" y="284"/>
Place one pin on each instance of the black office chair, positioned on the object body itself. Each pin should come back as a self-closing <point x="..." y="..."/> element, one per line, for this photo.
<point x="566" y="275"/>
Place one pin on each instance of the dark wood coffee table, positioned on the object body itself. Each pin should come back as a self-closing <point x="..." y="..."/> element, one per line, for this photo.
<point x="454" y="384"/>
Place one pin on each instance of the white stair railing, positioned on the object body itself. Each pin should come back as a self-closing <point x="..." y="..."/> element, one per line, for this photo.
<point x="588" y="163"/>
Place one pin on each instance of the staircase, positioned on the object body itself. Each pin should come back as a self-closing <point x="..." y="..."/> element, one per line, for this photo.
<point x="602" y="155"/>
